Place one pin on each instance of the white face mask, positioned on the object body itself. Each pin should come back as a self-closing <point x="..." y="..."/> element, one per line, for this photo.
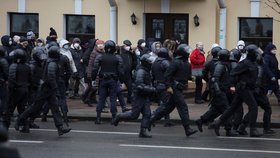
<point x="137" y="52"/>
<point x="10" y="42"/>
<point x="76" y="45"/>
<point x="100" y="46"/>
<point x="40" y="44"/>
<point x="143" y="45"/>
<point x="274" y="51"/>
<point x="127" y="48"/>
<point x="240" y="47"/>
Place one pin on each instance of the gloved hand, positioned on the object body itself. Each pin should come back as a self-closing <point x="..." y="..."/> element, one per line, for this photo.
<point x="170" y="90"/>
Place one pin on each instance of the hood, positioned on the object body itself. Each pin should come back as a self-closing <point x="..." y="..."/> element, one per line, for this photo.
<point x="63" y="42"/>
<point x="153" y="47"/>
<point x="5" y="40"/>
<point x="269" y="47"/>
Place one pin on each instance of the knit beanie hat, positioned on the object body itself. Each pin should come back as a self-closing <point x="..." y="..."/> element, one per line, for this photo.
<point x="269" y="47"/>
<point x="140" y="41"/>
<point x="30" y="34"/>
<point x="52" y="32"/>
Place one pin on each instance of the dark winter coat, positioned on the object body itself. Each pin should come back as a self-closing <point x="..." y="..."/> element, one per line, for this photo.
<point x="271" y="67"/>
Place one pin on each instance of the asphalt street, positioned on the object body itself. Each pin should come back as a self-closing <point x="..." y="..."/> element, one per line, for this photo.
<point x="87" y="140"/>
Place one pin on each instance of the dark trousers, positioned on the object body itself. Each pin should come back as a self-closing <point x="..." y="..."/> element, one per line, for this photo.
<point x="3" y="98"/>
<point x="107" y="88"/>
<point x="169" y="103"/>
<point x="128" y="84"/>
<point x="263" y="102"/>
<point x="141" y="105"/>
<point x="243" y="95"/>
<point x="45" y="96"/>
<point x="62" y="103"/>
<point x="17" y="98"/>
<point x="218" y="105"/>
<point x="198" y="87"/>
<point x="120" y="96"/>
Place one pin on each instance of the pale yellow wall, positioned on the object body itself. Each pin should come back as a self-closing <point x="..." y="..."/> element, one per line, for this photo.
<point x="101" y="10"/>
<point x="235" y="9"/>
<point x="125" y="9"/>
<point x="266" y="11"/>
<point x="50" y="14"/>
<point x="206" y="11"/>
<point x="6" y="6"/>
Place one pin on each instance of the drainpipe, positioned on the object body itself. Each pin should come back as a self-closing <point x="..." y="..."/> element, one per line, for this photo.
<point x="113" y="20"/>
<point x="223" y="23"/>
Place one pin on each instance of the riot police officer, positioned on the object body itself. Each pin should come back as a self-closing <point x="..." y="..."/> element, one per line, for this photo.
<point x="176" y="77"/>
<point x="110" y="71"/>
<point x="208" y="70"/>
<point x="262" y="100"/>
<point x="220" y="88"/>
<point x="19" y="81"/>
<point x="142" y="92"/>
<point x="4" y="70"/>
<point x="246" y="74"/>
<point x="48" y="94"/>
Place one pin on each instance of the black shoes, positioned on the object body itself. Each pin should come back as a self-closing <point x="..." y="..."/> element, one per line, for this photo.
<point x="116" y="120"/>
<point x="268" y="131"/>
<point x="199" y="125"/>
<point x="125" y="109"/>
<point x="242" y="130"/>
<point x="33" y="125"/>
<point x="216" y="126"/>
<point x="44" y="118"/>
<point x="143" y="133"/>
<point x="189" y="131"/>
<point x="255" y="133"/>
<point x="231" y="133"/>
<point x="62" y="130"/>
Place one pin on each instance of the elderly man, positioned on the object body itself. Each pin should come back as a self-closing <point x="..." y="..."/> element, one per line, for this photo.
<point x="197" y="59"/>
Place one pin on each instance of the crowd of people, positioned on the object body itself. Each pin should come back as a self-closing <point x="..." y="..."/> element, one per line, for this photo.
<point x="38" y="75"/>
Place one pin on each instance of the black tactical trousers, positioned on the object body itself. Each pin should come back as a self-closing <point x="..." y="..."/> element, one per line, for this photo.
<point x="243" y="95"/>
<point x="263" y="102"/>
<point x="168" y="104"/>
<point x="17" y="98"/>
<point x="45" y="96"/>
<point x="218" y="105"/>
<point x="141" y="105"/>
<point x="198" y="87"/>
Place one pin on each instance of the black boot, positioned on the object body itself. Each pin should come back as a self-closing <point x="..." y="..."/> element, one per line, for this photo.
<point x="231" y="133"/>
<point x="62" y="130"/>
<point x="33" y="125"/>
<point x="116" y="120"/>
<point x="189" y="131"/>
<point x="98" y="119"/>
<point x="242" y="129"/>
<point x="143" y="133"/>
<point x="216" y="126"/>
<point x="255" y="133"/>
<point x="26" y="128"/>
<point x="199" y="125"/>
<point x="124" y="109"/>
<point x="113" y="118"/>
<point x="168" y="122"/>
<point x="44" y="118"/>
<point x="268" y="131"/>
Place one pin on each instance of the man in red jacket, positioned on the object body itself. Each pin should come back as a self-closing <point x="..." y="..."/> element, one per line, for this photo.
<point x="197" y="61"/>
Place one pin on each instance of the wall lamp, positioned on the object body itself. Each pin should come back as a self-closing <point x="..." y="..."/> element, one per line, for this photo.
<point x="133" y="19"/>
<point x="196" y="20"/>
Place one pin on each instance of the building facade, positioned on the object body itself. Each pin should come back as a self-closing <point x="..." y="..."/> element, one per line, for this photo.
<point x="209" y="21"/>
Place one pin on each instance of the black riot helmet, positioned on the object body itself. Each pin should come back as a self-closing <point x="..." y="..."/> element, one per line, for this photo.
<point x="146" y="60"/>
<point x="39" y="55"/>
<point x="223" y="55"/>
<point x="252" y="52"/>
<point x="235" y="55"/>
<point x="20" y="56"/>
<point x="163" y="53"/>
<point x="183" y="50"/>
<point x="110" y="47"/>
<point x="53" y="52"/>
<point x="214" y="51"/>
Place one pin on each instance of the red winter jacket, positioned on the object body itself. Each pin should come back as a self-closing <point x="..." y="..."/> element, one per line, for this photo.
<point x="197" y="59"/>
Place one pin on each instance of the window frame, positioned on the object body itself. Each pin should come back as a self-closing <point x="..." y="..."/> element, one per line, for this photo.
<point x="12" y="33"/>
<point x="83" y="36"/>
